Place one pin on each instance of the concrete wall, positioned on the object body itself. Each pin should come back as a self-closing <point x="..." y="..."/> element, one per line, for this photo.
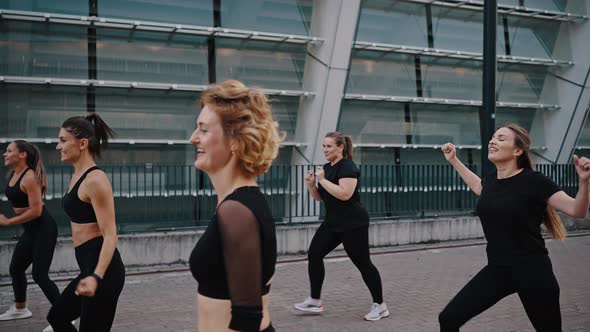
<point x="175" y="247"/>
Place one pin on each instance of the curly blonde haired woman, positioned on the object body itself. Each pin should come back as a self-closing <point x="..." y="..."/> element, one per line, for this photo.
<point x="234" y="260"/>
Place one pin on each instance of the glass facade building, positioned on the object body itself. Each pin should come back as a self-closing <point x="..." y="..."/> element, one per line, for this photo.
<point x="400" y="77"/>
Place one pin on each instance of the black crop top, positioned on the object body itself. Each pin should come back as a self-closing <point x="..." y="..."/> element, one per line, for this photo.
<point x="235" y="257"/>
<point x="17" y="197"/>
<point x="79" y="211"/>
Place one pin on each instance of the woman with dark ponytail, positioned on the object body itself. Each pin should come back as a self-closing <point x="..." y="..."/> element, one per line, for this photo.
<point x="37" y="243"/>
<point x="346" y="223"/>
<point x="514" y="201"/>
<point x="89" y="202"/>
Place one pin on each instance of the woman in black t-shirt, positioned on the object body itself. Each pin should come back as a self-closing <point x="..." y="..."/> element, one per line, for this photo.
<point x="346" y="222"/>
<point x="514" y="201"/>
<point x="234" y="260"/>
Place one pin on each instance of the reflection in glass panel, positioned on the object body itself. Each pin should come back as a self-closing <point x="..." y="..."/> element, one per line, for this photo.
<point x="284" y="111"/>
<point x="579" y="7"/>
<point x="525" y="118"/>
<point x="266" y="65"/>
<point x="279" y="16"/>
<point x="422" y="156"/>
<point x="170" y="11"/>
<point x="438" y="124"/>
<point x="522" y="84"/>
<point x="461" y="30"/>
<point x="532" y="38"/>
<point x="380" y="73"/>
<point x="392" y="22"/>
<point x="37" y="111"/>
<point x="380" y="156"/>
<point x="584" y="139"/>
<point x="148" y="114"/>
<point x="151" y="57"/>
<point x="451" y="78"/>
<point x="373" y="122"/>
<point x="71" y="7"/>
<point x="43" y="50"/>
<point x="373" y="156"/>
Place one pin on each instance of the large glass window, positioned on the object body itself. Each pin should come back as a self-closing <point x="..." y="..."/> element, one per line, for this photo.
<point x="149" y="114"/>
<point x="36" y="111"/>
<point x="379" y="73"/>
<point x="287" y="16"/>
<point x="532" y="38"/>
<point x="522" y="84"/>
<point x="284" y="111"/>
<point x="393" y="22"/>
<point x="151" y="57"/>
<point x="262" y="64"/>
<point x="43" y="50"/>
<point x="451" y="78"/>
<point x="439" y="124"/>
<point x="460" y="30"/>
<point x="584" y="140"/>
<point x="71" y="7"/>
<point x="170" y="11"/>
<point x="373" y="122"/>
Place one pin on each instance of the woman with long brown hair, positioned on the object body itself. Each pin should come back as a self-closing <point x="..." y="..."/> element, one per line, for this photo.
<point x="513" y="203"/>
<point x="37" y="243"/>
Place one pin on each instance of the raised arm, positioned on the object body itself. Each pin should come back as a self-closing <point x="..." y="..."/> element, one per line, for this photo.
<point x="31" y="187"/>
<point x="242" y="256"/>
<point x="99" y="190"/>
<point x="470" y="178"/>
<point x="574" y="207"/>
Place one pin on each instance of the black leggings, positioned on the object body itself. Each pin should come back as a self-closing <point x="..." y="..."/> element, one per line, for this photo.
<point x="534" y="282"/>
<point x="35" y="246"/>
<point x="356" y="245"/>
<point x="96" y="313"/>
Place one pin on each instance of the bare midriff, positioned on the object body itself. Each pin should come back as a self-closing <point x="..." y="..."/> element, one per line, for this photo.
<point x="215" y="314"/>
<point x="84" y="232"/>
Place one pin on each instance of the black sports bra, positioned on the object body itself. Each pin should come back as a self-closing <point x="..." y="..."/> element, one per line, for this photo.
<point x="79" y="211"/>
<point x="17" y="197"/>
<point x="219" y="265"/>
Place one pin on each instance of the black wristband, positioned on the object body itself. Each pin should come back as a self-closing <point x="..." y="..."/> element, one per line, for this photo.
<point x="97" y="277"/>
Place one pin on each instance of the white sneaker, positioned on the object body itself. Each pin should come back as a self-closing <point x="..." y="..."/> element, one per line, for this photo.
<point x="50" y="329"/>
<point x="377" y="312"/>
<point x="310" y="305"/>
<point x="14" y="313"/>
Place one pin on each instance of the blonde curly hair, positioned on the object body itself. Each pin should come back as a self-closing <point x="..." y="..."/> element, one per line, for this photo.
<point x="246" y="117"/>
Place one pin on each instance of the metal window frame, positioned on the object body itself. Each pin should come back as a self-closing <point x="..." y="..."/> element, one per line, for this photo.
<point x="453" y="54"/>
<point x="133" y="85"/>
<point x="172" y="28"/>
<point x="130" y="141"/>
<point x="445" y="101"/>
<point x="424" y="146"/>
<point x="519" y="11"/>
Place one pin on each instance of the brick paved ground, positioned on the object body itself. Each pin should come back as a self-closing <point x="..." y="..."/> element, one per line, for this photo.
<point x="417" y="285"/>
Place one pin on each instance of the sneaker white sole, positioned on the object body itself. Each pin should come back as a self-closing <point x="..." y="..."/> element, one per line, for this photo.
<point x="315" y="310"/>
<point x="383" y="315"/>
<point x="16" y="317"/>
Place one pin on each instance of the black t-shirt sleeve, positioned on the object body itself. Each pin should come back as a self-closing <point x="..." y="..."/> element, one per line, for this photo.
<point x="240" y="237"/>
<point x="348" y="170"/>
<point x="544" y="187"/>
